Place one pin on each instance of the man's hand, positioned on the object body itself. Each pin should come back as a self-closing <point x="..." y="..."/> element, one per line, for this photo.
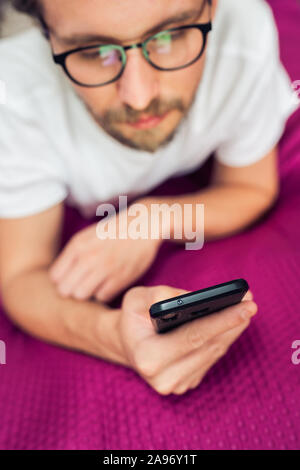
<point x="178" y="360"/>
<point x="89" y="266"/>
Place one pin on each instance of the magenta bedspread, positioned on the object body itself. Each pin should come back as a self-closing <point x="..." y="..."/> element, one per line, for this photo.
<point x="52" y="398"/>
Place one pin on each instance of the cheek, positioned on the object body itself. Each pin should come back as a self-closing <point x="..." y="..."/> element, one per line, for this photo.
<point x="174" y="84"/>
<point x="98" y="99"/>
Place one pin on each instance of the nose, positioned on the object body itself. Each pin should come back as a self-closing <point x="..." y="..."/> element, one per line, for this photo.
<point x="138" y="85"/>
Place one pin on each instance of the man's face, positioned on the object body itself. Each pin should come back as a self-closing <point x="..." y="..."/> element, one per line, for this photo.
<point x="144" y="107"/>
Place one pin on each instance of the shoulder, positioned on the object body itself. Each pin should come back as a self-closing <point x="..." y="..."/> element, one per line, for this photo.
<point x="243" y="48"/>
<point x="242" y="57"/>
<point x="27" y="68"/>
<point x="244" y="28"/>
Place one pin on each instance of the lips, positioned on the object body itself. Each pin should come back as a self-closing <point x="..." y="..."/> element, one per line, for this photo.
<point x="147" y="122"/>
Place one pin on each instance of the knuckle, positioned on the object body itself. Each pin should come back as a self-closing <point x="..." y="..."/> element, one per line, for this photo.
<point x="245" y="324"/>
<point x="99" y="297"/>
<point x="181" y="390"/>
<point x="77" y="243"/>
<point x="81" y="294"/>
<point x="234" y="319"/>
<point x="194" y="337"/>
<point x="163" y="388"/>
<point x="131" y="294"/>
<point x="131" y="297"/>
<point x="195" y="384"/>
<point x="145" y="366"/>
<point x="219" y="350"/>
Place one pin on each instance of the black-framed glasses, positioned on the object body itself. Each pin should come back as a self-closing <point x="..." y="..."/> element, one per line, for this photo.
<point x="169" y="50"/>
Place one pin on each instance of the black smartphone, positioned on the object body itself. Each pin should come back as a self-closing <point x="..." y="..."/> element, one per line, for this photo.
<point x="171" y="313"/>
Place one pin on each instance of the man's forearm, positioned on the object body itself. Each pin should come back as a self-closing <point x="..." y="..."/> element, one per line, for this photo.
<point x="227" y="210"/>
<point x="33" y="304"/>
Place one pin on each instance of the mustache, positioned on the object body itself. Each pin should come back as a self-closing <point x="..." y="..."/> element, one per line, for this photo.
<point x="156" y="108"/>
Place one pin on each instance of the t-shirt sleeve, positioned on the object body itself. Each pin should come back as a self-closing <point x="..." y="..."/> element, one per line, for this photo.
<point x="267" y="102"/>
<point x="31" y="173"/>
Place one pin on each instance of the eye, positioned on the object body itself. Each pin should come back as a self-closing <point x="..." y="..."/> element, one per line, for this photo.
<point x="109" y="54"/>
<point x="178" y="34"/>
<point x="167" y="37"/>
<point x="164" y="37"/>
<point x="165" y="41"/>
<point x="161" y="43"/>
<point x="90" y="54"/>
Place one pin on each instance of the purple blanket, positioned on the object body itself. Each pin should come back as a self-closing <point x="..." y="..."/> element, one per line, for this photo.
<point x="52" y="398"/>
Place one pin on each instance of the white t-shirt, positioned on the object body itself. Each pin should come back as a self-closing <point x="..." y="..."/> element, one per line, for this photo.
<point x="51" y="149"/>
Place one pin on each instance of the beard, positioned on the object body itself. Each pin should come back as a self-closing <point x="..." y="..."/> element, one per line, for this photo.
<point x="148" y="140"/>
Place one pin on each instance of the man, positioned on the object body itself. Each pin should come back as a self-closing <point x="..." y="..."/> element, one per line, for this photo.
<point x="109" y="119"/>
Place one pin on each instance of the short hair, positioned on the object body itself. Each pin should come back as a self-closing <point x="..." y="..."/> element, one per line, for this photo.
<point x="34" y="9"/>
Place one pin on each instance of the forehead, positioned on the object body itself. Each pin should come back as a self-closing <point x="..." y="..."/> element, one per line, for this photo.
<point x="125" y="19"/>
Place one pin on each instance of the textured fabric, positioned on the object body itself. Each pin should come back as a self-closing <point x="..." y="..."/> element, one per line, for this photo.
<point x="52" y="398"/>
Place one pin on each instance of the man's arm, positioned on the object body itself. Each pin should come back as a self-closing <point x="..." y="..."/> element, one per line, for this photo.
<point x="235" y="199"/>
<point x="27" y="248"/>
<point x="126" y="336"/>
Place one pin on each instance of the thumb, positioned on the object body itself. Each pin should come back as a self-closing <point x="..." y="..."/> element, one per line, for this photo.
<point x="163" y="292"/>
<point x="139" y="299"/>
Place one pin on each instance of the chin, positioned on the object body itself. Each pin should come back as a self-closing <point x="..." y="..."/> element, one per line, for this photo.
<point x="147" y="141"/>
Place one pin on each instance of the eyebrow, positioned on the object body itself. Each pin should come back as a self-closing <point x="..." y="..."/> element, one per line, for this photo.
<point x="78" y="39"/>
